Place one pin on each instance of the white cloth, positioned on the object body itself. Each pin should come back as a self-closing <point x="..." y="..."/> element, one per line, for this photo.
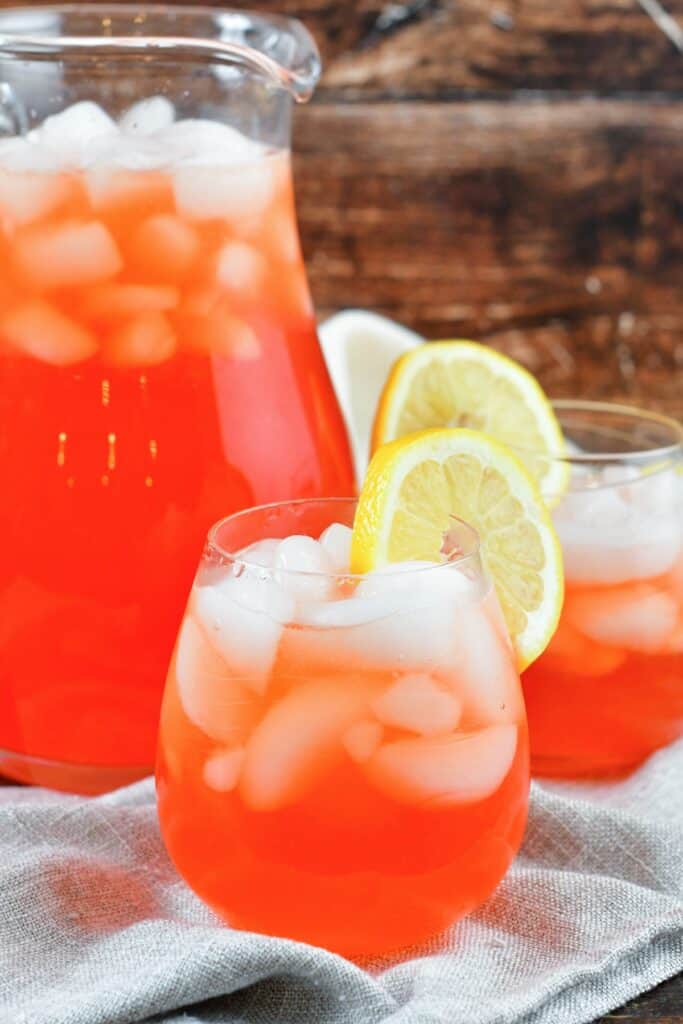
<point x="97" y="928"/>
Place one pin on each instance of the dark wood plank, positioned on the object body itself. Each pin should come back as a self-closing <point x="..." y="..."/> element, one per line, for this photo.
<point x="430" y="48"/>
<point x="662" y="1005"/>
<point x="552" y="231"/>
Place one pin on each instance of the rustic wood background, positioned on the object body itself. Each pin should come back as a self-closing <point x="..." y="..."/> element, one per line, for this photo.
<point x="512" y="171"/>
<point x="507" y="170"/>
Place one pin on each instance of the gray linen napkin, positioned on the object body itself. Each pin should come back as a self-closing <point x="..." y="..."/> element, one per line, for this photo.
<point x="96" y="927"/>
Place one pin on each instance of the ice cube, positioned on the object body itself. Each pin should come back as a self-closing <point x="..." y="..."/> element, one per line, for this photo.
<point x="147" y="117"/>
<point x="26" y="197"/>
<point x="214" y="330"/>
<point x="23" y="154"/>
<point x="74" y="135"/>
<point x="146" y="340"/>
<point x="261" y="553"/>
<point x="112" y="189"/>
<point x="572" y="652"/>
<point x="164" y="247"/>
<point x="635" y="618"/>
<point x="220" y="193"/>
<point x="336" y="540"/>
<point x="222" y="769"/>
<point x="419" y="704"/>
<point x="297" y="741"/>
<point x="418" y="584"/>
<point x="194" y="141"/>
<point x="592" y="508"/>
<point x="656" y="494"/>
<point x="42" y="331"/>
<point x="484" y="676"/>
<point x="398" y="618"/>
<point x="304" y="568"/>
<point x="607" y="537"/>
<point x="598" y="556"/>
<point x="244" y="617"/>
<point x="67" y="254"/>
<point x="111" y="301"/>
<point x="448" y="770"/>
<point x="372" y="633"/>
<point x="241" y="268"/>
<point x="213" y="699"/>
<point x="362" y="739"/>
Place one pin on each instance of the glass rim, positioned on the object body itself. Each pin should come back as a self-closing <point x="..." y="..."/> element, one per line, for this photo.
<point x="473" y="552"/>
<point x="298" y="78"/>
<point x="635" y="413"/>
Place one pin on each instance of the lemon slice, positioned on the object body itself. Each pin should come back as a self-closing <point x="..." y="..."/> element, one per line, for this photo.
<point x="464" y="384"/>
<point x="416" y="484"/>
<point x="360" y="349"/>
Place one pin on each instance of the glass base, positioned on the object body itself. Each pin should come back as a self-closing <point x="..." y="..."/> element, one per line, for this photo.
<point x="86" y="779"/>
<point x="581" y="769"/>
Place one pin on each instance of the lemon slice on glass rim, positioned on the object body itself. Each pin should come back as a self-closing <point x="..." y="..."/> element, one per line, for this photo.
<point x="413" y="488"/>
<point x="466" y="384"/>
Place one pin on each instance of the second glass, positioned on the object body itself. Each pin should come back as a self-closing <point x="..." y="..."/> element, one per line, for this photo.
<point x="608" y="691"/>
<point x="342" y="760"/>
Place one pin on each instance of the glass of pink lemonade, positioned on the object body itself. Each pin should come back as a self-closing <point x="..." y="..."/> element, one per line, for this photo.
<point x="608" y="691"/>
<point x="342" y="759"/>
<point x="158" y="354"/>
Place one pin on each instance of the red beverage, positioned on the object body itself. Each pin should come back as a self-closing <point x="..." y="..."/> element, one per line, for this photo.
<point x="619" y="652"/>
<point x="159" y="368"/>
<point x="608" y="691"/>
<point x="342" y="760"/>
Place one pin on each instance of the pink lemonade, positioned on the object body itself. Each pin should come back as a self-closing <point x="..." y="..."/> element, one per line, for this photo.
<point x="160" y="367"/>
<point x="608" y="691"/>
<point x="342" y="760"/>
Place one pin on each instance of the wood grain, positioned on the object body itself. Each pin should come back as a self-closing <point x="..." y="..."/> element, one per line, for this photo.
<point x="552" y="231"/>
<point x="662" y="1005"/>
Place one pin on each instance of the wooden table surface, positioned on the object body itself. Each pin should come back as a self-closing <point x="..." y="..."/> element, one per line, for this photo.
<point x="512" y="171"/>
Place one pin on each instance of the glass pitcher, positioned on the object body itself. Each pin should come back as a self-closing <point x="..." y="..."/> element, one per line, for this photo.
<point x="159" y="365"/>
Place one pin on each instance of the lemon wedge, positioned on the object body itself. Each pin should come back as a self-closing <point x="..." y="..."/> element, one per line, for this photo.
<point x="360" y="349"/>
<point x="465" y="384"/>
<point x="413" y="488"/>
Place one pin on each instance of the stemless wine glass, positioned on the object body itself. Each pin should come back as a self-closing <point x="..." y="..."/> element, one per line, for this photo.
<point x="609" y="689"/>
<point x="342" y="760"/>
